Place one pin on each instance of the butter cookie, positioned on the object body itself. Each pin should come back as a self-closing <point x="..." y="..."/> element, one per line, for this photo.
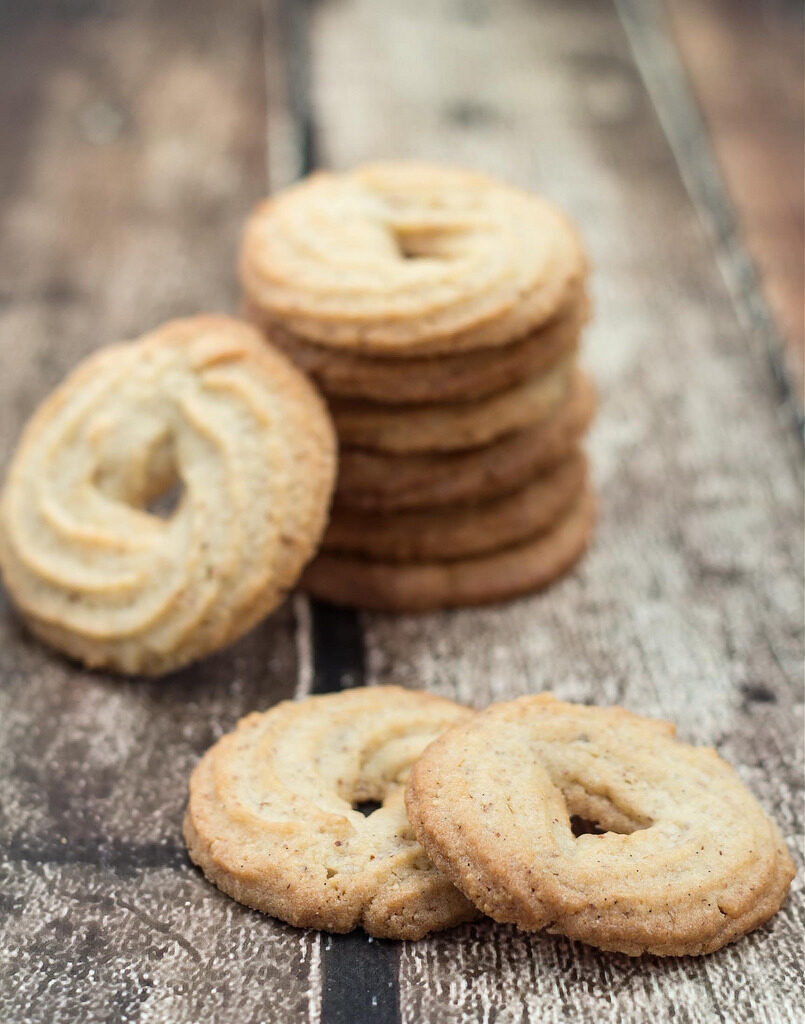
<point x="463" y="376"/>
<point x="275" y="814"/>
<point x="452" y="426"/>
<point x="687" y="860"/>
<point x="403" y="259"/>
<point x="202" y="407"/>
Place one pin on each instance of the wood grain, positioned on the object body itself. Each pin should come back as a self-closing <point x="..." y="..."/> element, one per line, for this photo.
<point x="689" y="604"/>
<point x="686" y="131"/>
<point x="745" y="60"/>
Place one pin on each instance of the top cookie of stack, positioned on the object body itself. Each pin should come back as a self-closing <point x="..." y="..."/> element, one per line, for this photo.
<point x="440" y="312"/>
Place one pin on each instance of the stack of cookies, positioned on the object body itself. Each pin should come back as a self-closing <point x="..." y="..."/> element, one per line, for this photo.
<point x="440" y="313"/>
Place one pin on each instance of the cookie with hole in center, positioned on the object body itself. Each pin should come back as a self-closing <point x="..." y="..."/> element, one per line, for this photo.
<point x="276" y="814"/>
<point x="687" y="860"/>
<point x="201" y="406"/>
<point x="405" y="259"/>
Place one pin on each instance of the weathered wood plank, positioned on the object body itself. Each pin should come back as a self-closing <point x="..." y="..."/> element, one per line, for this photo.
<point x="755" y="119"/>
<point x="689" y="605"/>
<point x="667" y="84"/>
<point x="132" y="147"/>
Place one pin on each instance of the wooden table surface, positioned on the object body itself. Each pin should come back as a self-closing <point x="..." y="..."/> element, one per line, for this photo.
<point x="745" y="58"/>
<point x="135" y="138"/>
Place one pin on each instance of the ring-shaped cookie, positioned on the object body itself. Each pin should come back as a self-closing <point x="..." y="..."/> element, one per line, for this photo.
<point x="201" y="404"/>
<point x="274" y="816"/>
<point x="688" y="860"/>
<point x="404" y="259"/>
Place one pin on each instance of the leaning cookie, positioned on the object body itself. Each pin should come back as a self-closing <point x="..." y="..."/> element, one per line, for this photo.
<point x="203" y="406"/>
<point x="688" y="860"/>
<point x="274" y="820"/>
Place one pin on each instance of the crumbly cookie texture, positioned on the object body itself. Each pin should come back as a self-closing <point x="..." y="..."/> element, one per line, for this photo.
<point x="272" y="816"/>
<point x="688" y="862"/>
<point x="425" y="586"/>
<point x="452" y="426"/>
<point x="403" y="259"/>
<point x="462" y="376"/>
<point x="205" y="405"/>
<point x="459" y="531"/>
<point x="383" y="482"/>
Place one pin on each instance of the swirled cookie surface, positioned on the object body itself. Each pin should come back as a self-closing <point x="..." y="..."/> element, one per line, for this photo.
<point x="688" y="860"/>
<point x="407" y="258"/>
<point x="205" y="406"/>
<point x="273" y="816"/>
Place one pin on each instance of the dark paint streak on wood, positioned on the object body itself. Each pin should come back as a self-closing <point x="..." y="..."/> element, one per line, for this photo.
<point x="359" y="980"/>
<point x="359" y="974"/>
<point x="337" y="648"/>
<point x="294" y="27"/>
<point x="117" y="855"/>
